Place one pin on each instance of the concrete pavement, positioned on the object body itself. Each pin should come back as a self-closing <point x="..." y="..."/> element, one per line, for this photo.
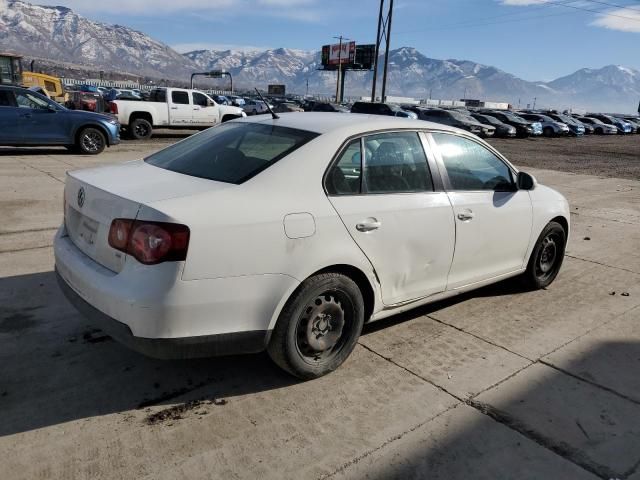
<point x="500" y="383"/>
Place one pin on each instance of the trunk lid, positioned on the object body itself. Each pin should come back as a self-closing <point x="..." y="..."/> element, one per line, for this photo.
<point x="95" y="197"/>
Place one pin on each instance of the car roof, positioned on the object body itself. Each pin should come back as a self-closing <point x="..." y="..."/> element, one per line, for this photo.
<point x="352" y="123"/>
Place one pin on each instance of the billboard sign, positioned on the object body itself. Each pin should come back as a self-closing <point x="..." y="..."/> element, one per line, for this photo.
<point x="342" y="54"/>
<point x="276" y="90"/>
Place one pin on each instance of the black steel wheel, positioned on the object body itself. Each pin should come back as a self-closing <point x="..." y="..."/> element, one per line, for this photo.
<point x="547" y="256"/>
<point x="91" y="141"/>
<point x="318" y="327"/>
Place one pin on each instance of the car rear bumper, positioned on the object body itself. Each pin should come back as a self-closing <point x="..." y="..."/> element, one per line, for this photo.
<point x="152" y="310"/>
<point x="166" y="348"/>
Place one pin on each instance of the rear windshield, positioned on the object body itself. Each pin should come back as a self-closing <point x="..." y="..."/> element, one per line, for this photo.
<point x="232" y="152"/>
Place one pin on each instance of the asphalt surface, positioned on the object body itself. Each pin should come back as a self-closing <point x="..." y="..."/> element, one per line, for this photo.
<point x="500" y="383"/>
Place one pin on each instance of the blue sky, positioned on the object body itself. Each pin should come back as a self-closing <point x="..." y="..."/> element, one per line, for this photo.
<point x="533" y="39"/>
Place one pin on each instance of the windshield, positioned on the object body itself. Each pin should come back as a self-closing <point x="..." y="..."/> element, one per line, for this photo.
<point x="231" y="153"/>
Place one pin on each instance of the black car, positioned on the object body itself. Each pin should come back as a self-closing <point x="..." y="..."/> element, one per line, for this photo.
<point x="456" y="119"/>
<point x="523" y="128"/>
<point x="329" y="107"/>
<point x="376" y="108"/>
<point x="503" y="130"/>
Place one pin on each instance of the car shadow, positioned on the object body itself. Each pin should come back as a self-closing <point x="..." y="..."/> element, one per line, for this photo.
<point x="511" y="286"/>
<point x="55" y="367"/>
<point x="33" y="151"/>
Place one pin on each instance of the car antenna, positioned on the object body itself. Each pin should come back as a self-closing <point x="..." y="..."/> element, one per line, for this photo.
<point x="273" y="114"/>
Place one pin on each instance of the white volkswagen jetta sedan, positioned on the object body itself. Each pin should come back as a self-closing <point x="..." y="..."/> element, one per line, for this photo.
<point x="289" y="234"/>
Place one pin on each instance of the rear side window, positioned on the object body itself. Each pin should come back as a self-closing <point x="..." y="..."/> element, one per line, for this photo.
<point x="232" y="152"/>
<point x="396" y="163"/>
<point x="345" y="176"/>
<point x="6" y="99"/>
<point x="181" y="98"/>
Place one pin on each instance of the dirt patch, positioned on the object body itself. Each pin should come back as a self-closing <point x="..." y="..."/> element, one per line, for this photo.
<point x="178" y="412"/>
<point x="15" y="321"/>
<point x="615" y="156"/>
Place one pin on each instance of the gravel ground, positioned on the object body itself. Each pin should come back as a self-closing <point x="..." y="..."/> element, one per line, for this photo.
<point x="606" y="156"/>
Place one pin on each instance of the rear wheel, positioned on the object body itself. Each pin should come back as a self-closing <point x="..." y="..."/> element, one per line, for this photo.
<point x="547" y="256"/>
<point x="91" y="141"/>
<point x="548" y="132"/>
<point x="318" y="327"/>
<point x="599" y="131"/>
<point x="140" y="129"/>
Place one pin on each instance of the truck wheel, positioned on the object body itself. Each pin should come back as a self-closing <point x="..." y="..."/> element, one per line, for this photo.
<point x="140" y="129"/>
<point x="91" y="141"/>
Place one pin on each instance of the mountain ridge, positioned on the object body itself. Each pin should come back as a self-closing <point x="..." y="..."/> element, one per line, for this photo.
<point x="69" y="38"/>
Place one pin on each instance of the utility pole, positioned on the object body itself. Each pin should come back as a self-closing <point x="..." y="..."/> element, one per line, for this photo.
<point x="307" y="87"/>
<point x="535" y="99"/>
<point x="384" y="32"/>
<point x="338" y="80"/>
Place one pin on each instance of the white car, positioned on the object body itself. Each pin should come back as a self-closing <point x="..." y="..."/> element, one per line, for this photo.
<point x="289" y="234"/>
<point x="254" y="107"/>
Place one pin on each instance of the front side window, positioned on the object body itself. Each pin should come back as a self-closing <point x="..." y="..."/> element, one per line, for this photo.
<point x="396" y="163"/>
<point x="200" y="99"/>
<point x="27" y="100"/>
<point x="232" y="152"/>
<point x="345" y="176"/>
<point x="472" y="167"/>
<point x="180" y="98"/>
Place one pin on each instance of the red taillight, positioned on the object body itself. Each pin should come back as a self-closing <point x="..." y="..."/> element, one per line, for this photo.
<point x="150" y="242"/>
<point x="113" y="108"/>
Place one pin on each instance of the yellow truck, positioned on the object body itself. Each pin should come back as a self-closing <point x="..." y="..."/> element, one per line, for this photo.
<point x="51" y="85"/>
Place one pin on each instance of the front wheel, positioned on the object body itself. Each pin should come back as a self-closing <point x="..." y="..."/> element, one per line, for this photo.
<point x="319" y="326"/>
<point x="547" y="256"/>
<point x="91" y="141"/>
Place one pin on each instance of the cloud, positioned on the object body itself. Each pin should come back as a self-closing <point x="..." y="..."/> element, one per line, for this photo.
<point x="630" y="22"/>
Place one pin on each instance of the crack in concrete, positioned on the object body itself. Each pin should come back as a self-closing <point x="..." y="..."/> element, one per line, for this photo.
<point x="32" y="230"/>
<point x="485" y="340"/>
<point x="590" y="382"/>
<point x="602" y="264"/>
<point x="18" y="250"/>
<point x="585" y="215"/>
<point x="560" y="448"/>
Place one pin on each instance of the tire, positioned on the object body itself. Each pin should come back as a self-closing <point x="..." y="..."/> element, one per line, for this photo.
<point x="548" y="132"/>
<point x="140" y="129"/>
<point x="91" y="141"/>
<point x="599" y="131"/>
<point x="547" y="257"/>
<point x="318" y="327"/>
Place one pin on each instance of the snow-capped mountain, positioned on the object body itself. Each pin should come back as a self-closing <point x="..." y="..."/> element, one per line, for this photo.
<point x="57" y="36"/>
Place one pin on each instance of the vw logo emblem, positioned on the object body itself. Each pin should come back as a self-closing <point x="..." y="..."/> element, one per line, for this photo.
<point x="81" y="197"/>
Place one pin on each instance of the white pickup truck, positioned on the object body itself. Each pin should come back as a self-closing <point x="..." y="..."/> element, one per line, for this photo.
<point x="174" y="108"/>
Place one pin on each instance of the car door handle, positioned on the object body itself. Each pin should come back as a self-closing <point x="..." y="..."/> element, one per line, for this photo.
<point x="368" y="225"/>
<point x="197" y="108"/>
<point x="466" y="216"/>
<point x="174" y="108"/>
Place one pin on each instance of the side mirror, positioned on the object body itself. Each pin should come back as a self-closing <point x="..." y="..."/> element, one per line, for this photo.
<point x="51" y="109"/>
<point x="210" y="103"/>
<point x="526" y="181"/>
